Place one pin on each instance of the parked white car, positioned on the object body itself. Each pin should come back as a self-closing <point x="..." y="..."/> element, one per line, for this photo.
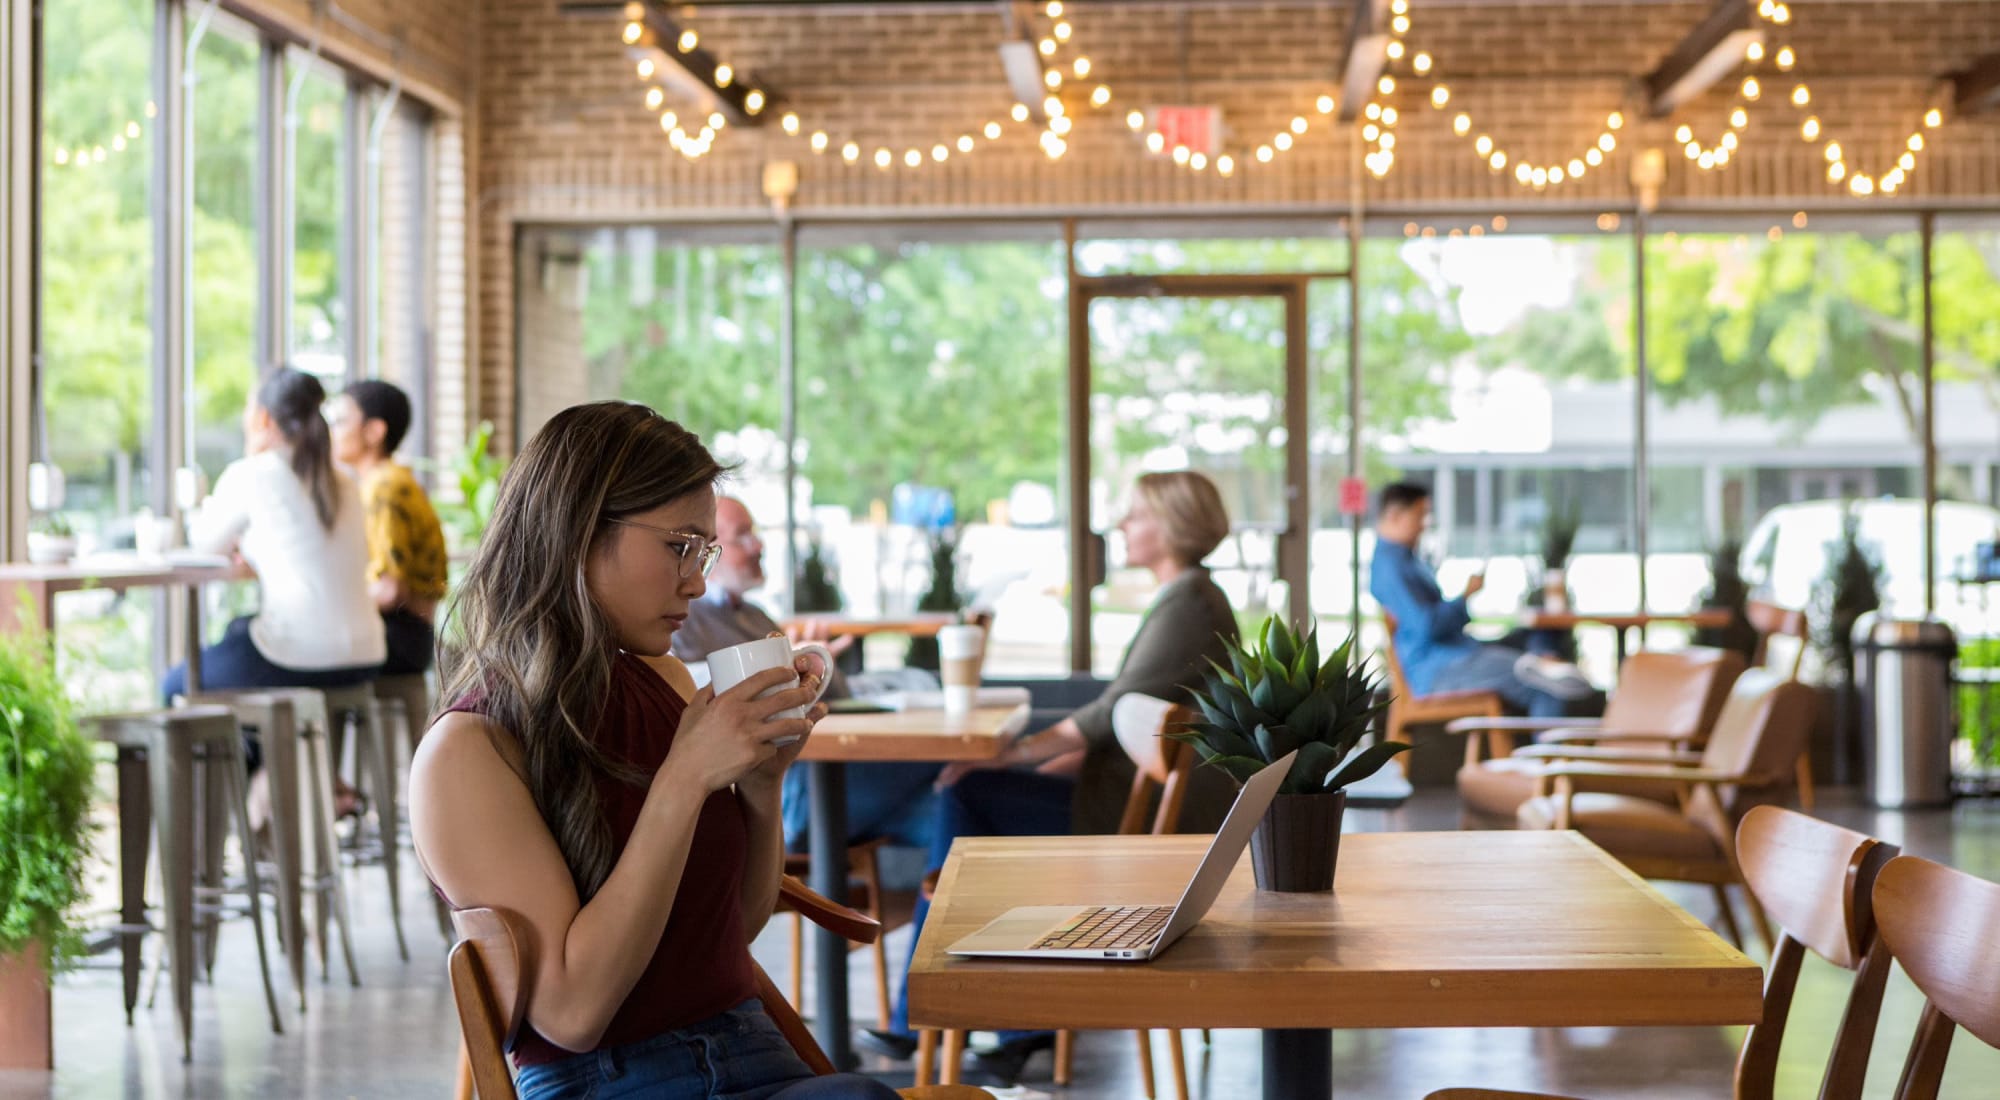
<point x="1786" y="552"/>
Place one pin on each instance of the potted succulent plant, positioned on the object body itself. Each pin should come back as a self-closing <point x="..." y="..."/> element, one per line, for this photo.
<point x="52" y="541"/>
<point x="45" y="785"/>
<point x="942" y="595"/>
<point x="817" y="585"/>
<point x="1277" y="697"/>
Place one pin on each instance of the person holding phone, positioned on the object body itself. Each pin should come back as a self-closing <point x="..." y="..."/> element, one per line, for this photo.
<point x="628" y="819"/>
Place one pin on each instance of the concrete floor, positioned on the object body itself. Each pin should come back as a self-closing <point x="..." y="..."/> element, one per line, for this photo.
<point x="396" y="1035"/>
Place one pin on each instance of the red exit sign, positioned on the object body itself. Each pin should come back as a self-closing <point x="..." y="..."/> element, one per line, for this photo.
<point x="1197" y="128"/>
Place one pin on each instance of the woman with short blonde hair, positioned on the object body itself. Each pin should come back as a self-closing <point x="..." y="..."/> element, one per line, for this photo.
<point x="1189" y="508"/>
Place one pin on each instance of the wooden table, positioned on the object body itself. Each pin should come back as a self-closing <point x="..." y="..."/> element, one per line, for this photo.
<point x="41" y="583"/>
<point x="1521" y="929"/>
<point x="927" y="736"/>
<point x="1707" y="618"/>
<point x="920" y="625"/>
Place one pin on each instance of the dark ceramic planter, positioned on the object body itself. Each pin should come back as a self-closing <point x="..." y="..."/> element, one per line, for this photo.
<point x="1296" y="845"/>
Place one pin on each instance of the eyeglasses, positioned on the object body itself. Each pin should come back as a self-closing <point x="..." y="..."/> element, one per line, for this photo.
<point x="697" y="552"/>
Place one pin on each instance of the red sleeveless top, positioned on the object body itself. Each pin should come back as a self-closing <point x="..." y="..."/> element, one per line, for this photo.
<point x="701" y="966"/>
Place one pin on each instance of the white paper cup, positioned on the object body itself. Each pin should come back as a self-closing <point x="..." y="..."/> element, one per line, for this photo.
<point x="961" y="650"/>
<point x="730" y="667"/>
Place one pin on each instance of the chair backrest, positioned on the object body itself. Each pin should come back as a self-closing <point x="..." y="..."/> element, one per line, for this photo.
<point x="1760" y="734"/>
<point x="1944" y="927"/>
<point x="1772" y="621"/>
<point x="490" y="974"/>
<point x="1817" y="881"/>
<point x="1399" y="686"/>
<point x="1140" y="721"/>
<point x="1677" y="693"/>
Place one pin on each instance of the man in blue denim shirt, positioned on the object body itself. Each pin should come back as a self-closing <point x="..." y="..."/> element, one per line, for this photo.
<point x="1436" y="652"/>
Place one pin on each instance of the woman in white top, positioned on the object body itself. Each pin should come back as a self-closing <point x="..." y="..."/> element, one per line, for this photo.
<point x="298" y="522"/>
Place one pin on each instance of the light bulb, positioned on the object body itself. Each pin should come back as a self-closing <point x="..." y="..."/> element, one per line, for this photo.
<point x="1498" y="160"/>
<point x="939" y="153"/>
<point x="1155" y="142"/>
<point x="819" y="141"/>
<point x="1809" y="129"/>
<point x="1373" y="110"/>
<point x="1298" y="124"/>
<point x="1180" y="154"/>
<point x="1225" y="164"/>
<point x="633" y="32"/>
<point x="1833" y="150"/>
<point x="992" y="131"/>
<point x="1692" y="149"/>
<point x="754" y="102"/>
<point x="1786" y="59"/>
<point x="1052" y="78"/>
<point x="1135" y="119"/>
<point x="1019" y="112"/>
<point x="1264" y="154"/>
<point x="1461" y="125"/>
<point x="1061" y="125"/>
<point x="1063" y="31"/>
<point x="1055" y="9"/>
<point x="716" y="121"/>
<point x="1575" y="167"/>
<point x="1555" y="175"/>
<point x="1861" y="184"/>
<point x="1483" y="146"/>
<point x="1198" y="161"/>
<point x="965" y="143"/>
<point x="883" y="158"/>
<point x="1388" y="116"/>
<point x="1781" y="14"/>
<point x="670" y="121"/>
<point x="790" y="123"/>
<point x="132" y="129"/>
<point x="1836" y="171"/>
<point x="1400" y="24"/>
<point x="1283" y="141"/>
<point x="1421" y="63"/>
<point x="1729" y="139"/>
<point x="1721" y="157"/>
<point x="1739" y="118"/>
<point x="1440" y="96"/>
<point x="1047" y="46"/>
<point x="1399" y="7"/>
<point x="1907" y="162"/>
<point x="1706" y="160"/>
<point x="1395" y="50"/>
<point x="1523" y="174"/>
<point x="1386" y="85"/>
<point x="1388" y="141"/>
<point x="1370" y="132"/>
<point x="1052" y="107"/>
<point x="1933" y="118"/>
<point x="689" y="40"/>
<point x="1801" y="96"/>
<point x="1754" y="52"/>
<point x="1540" y="176"/>
<point x="1916" y="143"/>
<point x="1099" y="96"/>
<point x="1751" y="89"/>
<point x="1081" y="67"/>
<point x="1684" y="135"/>
<point x="655" y="97"/>
<point x="1606" y="142"/>
<point x="1799" y="220"/>
<point x="913" y="158"/>
<point x="1593" y="158"/>
<point x="723" y="75"/>
<point x="645" y="68"/>
<point x="1325" y="105"/>
<point x="850" y="152"/>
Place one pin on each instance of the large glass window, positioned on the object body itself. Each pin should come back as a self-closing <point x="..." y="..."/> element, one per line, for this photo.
<point x="223" y="99"/>
<point x="401" y="256"/>
<point x="317" y="121"/>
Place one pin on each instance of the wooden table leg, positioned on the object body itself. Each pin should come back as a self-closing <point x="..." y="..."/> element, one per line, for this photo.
<point x="1297" y="1063"/>
<point x="191" y="614"/>
<point x="829" y="878"/>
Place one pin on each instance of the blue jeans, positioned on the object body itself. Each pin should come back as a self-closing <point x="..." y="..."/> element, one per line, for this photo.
<point x="1491" y="668"/>
<point x="737" y="1055"/>
<point x="234" y="664"/>
<point x="883" y="800"/>
<point x="987" y="803"/>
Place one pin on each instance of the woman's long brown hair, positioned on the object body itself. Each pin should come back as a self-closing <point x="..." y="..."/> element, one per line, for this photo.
<point x="524" y="637"/>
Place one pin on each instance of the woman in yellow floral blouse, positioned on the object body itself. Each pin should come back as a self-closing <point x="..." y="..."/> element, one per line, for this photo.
<point x="406" y="554"/>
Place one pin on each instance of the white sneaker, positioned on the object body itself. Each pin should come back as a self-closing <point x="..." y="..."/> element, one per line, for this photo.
<point x="1558" y="678"/>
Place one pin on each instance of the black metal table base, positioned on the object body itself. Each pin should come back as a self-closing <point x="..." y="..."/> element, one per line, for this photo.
<point x="828" y="805"/>
<point x="1298" y="1064"/>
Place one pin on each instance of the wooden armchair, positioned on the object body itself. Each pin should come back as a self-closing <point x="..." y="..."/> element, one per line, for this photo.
<point x="1750" y="759"/>
<point x="1665" y="703"/>
<point x="1818" y="881"/>
<point x="1771" y="621"/>
<point x="1943" y="926"/>
<point x="490" y="970"/>
<point x="1161" y="767"/>
<point x="1407" y="708"/>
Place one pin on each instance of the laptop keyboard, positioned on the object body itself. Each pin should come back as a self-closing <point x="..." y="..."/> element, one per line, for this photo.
<point x="1109" y="926"/>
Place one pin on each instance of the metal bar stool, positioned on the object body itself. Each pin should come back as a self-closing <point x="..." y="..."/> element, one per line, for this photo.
<point x="405" y="709"/>
<point x="290" y="724"/>
<point x="160" y="755"/>
<point x="357" y="706"/>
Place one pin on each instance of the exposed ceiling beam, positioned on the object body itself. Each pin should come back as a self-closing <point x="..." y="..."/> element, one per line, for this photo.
<point x="694" y="72"/>
<point x="1977" y="89"/>
<point x="1715" y="46"/>
<point x="1019" y="58"/>
<point x="1367" y="53"/>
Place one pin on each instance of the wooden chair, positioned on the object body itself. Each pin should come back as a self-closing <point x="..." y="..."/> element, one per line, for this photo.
<point x="1818" y="881"/>
<point x="1770" y="620"/>
<point x="491" y="970"/>
<point x="1943" y="926"/>
<point x="1750" y="759"/>
<point x="1407" y="708"/>
<point x="864" y="893"/>
<point x="1159" y="766"/>
<point x="1665" y="702"/>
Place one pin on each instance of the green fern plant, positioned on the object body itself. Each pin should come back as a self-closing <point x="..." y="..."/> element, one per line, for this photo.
<point x="943" y="594"/>
<point x="1276" y="697"/>
<point x="476" y="472"/>
<point x="1850" y="587"/>
<point x="45" y="787"/>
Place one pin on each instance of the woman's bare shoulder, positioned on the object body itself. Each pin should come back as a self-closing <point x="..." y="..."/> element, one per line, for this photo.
<point x="462" y="743"/>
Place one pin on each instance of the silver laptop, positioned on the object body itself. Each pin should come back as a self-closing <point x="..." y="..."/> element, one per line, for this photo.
<point x="1134" y="932"/>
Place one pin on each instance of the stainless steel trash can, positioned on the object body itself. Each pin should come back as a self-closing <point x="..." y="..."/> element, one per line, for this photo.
<point x="1903" y="668"/>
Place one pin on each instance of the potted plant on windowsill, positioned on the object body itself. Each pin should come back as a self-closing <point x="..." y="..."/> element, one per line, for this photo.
<point x="1276" y="697"/>
<point x="942" y="595"/>
<point x="45" y="784"/>
<point x="52" y="541"/>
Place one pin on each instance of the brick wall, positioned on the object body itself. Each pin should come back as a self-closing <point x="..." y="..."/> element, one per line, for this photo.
<point x="565" y="135"/>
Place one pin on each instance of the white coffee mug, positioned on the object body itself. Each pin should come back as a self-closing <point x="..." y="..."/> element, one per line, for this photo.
<point x="730" y="667"/>
<point x="960" y="649"/>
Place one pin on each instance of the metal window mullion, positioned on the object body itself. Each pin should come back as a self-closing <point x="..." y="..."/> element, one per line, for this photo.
<point x="269" y="217"/>
<point x="357" y="207"/>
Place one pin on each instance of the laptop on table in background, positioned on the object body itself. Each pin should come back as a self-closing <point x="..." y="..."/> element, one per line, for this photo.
<point x="1132" y="933"/>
